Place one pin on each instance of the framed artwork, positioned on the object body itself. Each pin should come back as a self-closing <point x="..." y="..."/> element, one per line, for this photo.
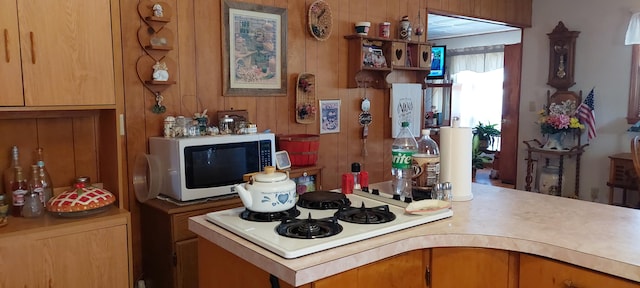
<point x="282" y="160"/>
<point x="329" y="116"/>
<point x="254" y="55"/>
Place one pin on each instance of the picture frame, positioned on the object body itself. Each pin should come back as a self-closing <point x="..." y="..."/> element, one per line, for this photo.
<point x="254" y="55"/>
<point x="282" y="160"/>
<point x="329" y="116"/>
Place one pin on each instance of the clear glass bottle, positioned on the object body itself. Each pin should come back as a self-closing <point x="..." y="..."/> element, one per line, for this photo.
<point x="18" y="190"/>
<point x="10" y="175"/>
<point x="45" y="178"/>
<point x="33" y="198"/>
<point x="427" y="161"/>
<point x="402" y="150"/>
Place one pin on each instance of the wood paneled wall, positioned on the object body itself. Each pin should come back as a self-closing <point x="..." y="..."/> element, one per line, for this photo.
<point x="197" y="51"/>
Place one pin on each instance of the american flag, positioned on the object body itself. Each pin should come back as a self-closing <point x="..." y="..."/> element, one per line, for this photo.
<point x="586" y="114"/>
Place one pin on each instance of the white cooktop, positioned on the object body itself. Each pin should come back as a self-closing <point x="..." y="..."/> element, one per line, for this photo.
<point x="264" y="234"/>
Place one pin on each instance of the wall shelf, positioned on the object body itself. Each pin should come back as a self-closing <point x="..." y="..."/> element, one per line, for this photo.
<point x="373" y="58"/>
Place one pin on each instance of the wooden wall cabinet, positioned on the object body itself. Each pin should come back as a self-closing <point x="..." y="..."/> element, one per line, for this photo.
<point x="61" y="75"/>
<point x="73" y="253"/>
<point x="364" y="64"/>
<point x="542" y="272"/>
<point x="57" y="53"/>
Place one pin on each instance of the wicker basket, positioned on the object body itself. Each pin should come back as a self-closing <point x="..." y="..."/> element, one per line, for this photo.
<point x="302" y="148"/>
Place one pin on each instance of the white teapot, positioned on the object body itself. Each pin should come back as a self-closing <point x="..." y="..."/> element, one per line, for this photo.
<point x="269" y="191"/>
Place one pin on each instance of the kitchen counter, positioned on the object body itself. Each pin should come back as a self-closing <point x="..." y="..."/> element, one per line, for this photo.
<point x="592" y="235"/>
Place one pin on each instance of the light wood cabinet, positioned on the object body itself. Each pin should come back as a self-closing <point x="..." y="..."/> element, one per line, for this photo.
<point x="480" y="267"/>
<point x="57" y="53"/>
<point x="537" y="272"/>
<point x="433" y="268"/>
<point x="169" y="249"/>
<point x="56" y="252"/>
<point x="404" y="270"/>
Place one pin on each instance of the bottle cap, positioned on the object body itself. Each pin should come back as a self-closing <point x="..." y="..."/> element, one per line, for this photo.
<point x="425" y="131"/>
<point x="355" y="167"/>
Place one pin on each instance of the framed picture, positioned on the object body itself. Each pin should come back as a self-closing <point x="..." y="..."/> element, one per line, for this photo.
<point x="329" y="116"/>
<point x="254" y="55"/>
<point x="282" y="160"/>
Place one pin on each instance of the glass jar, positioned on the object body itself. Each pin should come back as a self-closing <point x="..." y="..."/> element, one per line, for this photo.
<point x="226" y="125"/>
<point x="548" y="180"/>
<point x="32" y="205"/>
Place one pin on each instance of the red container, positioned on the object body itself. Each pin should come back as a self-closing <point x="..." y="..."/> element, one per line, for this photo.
<point x="302" y="148"/>
<point x="347" y="183"/>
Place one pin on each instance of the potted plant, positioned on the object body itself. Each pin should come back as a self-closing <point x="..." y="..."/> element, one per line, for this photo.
<point x="486" y="134"/>
<point x="477" y="158"/>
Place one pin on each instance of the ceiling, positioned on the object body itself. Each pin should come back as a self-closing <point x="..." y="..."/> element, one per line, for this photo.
<point x="441" y="27"/>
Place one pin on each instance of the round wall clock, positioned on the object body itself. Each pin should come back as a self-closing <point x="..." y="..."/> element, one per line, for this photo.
<point x="320" y="20"/>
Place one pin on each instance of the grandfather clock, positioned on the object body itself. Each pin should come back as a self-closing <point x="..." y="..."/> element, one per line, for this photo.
<point x="562" y="50"/>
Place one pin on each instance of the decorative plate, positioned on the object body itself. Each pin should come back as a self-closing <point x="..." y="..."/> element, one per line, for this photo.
<point x="320" y="20"/>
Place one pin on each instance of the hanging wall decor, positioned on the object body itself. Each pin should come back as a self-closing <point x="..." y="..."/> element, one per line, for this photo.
<point x="320" y="20"/>
<point x="562" y="50"/>
<point x="306" y="98"/>
<point x="155" y="68"/>
<point x="255" y="50"/>
<point x="329" y="116"/>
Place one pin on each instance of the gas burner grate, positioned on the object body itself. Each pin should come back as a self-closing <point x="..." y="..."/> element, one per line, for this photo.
<point x="309" y="228"/>
<point x="364" y="215"/>
<point x="323" y="200"/>
<point x="269" y="216"/>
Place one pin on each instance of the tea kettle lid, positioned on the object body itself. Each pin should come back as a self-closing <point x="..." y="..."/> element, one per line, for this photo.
<point x="270" y="175"/>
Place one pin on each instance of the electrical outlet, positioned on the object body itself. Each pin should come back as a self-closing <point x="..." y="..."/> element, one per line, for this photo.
<point x="594" y="194"/>
<point x="532" y="106"/>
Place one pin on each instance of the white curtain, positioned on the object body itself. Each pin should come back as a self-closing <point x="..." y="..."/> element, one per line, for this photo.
<point x="633" y="31"/>
<point x="477" y="90"/>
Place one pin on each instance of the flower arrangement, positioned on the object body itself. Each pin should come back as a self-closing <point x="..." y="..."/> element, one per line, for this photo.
<point x="559" y="118"/>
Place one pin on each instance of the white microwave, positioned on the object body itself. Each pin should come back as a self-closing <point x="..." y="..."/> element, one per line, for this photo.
<point x="210" y="166"/>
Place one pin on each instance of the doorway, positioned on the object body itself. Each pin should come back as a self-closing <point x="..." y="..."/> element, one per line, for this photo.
<point x="506" y="113"/>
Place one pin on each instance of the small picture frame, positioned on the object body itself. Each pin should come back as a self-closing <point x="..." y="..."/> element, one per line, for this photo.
<point x="329" y="116"/>
<point x="282" y="160"/>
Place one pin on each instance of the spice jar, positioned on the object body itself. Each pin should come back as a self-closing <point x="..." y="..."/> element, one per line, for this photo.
<point x="226" y="125"/>
<point x="169" y="126"/>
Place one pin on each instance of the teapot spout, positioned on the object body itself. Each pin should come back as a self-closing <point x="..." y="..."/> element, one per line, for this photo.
<point x="245" y="196"/>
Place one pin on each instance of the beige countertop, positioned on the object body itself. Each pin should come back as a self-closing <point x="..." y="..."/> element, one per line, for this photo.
<point x="592" y="235"/>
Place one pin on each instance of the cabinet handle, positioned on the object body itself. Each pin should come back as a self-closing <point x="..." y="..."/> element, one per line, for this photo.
<point x="427" y="276"/>
<point x="7" y="56"/>
<point x="33" y="47"/>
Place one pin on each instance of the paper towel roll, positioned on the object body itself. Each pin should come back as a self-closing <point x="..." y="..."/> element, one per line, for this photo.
<point x="455" y="160"/>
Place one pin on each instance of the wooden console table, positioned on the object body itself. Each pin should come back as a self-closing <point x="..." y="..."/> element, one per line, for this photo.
<point x="533" y="147"/>
<point x="622" y="175"/>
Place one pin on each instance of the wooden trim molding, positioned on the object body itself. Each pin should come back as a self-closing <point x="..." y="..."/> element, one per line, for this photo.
<point x="633" y="113"/>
